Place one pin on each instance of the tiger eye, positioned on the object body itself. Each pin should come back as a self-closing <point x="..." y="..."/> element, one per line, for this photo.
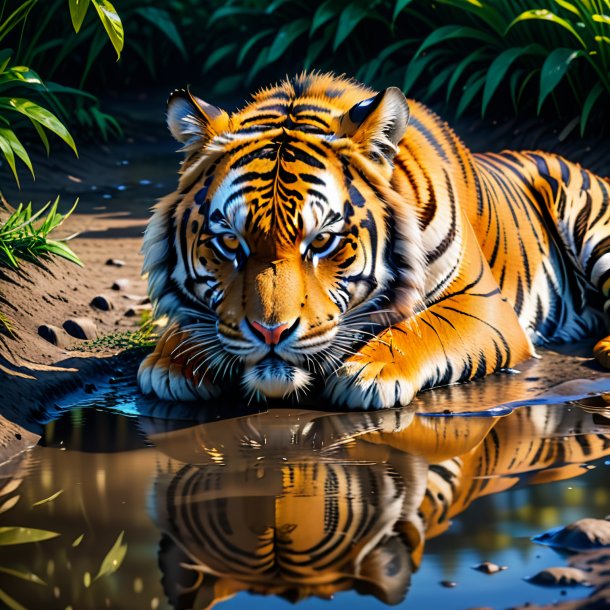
<point x="321" y="240"/>
<point x="229" y="241"/>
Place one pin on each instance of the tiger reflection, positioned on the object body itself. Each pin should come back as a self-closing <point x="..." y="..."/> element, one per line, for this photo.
<point x="306" y="504"/>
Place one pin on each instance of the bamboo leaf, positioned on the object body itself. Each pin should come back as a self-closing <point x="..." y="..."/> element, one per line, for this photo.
<point x="49" y="499"/>
<point x="251" y="42"/>
<point x="78" y="11"/>
<point x="218" y="55"/>
<point x="470" y="91"/>
<point x="161" y="19"/>
<point x="458" y="71"/>
<point x="553" y="70"/>
<point x="23" y="535"/>
<point x="112" y="24"/>
<point x="42" y="135"/>
<point x="19" y="14"/>
<point x="114" y="558"/>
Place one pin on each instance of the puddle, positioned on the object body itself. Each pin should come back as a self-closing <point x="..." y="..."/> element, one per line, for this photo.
<point x="284" y="505"/>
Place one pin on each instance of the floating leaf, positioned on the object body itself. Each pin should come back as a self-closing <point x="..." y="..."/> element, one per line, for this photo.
<point x="113" y="559"/>
<point x="6" y="506"/>
<point x="49" y="499"/>
<point x="29" y="576"/>
<point x="112" y="24"/>
<point x="23" y="535"/>
<point x="78" y="11"/>
<point x="77" y="541"/>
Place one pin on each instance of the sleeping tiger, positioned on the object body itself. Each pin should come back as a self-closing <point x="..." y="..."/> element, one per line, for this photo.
<point x="327" y="238"/>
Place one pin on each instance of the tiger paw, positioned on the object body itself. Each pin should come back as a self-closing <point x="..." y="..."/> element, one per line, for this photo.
<point x="159" y="375"/>
<point x="601" y="351"/>
<point x="370" y="385"/>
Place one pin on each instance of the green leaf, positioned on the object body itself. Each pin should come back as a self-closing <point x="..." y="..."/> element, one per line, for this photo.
<point x="568" y="6"/>
<point x="601" y="19"/>
<point x="5" y="58"/>
<point x="49" y="499"/>
<point x="41" y="115"/>
<point x="11" y="603"/>
<point x="498" y="69"/>
<point x="231" y="11"/>
<point x="398" y="8"/>
<point x="78" y="11"/>
<point x="553" y="70"/>
<point x="28" y="576"/>
<point x="18" y="15"/>
<point x="470" y="91"/>
<point x="9" y="155"/>
<point x="350" y="17"/>
<point x="449" y="32"/>
<point x="43" y="136"/>
<point x="417" y="66"/>
<point x="61" y="249"/>
<point x="113" y="559"/>
<point x="161" y="19"/>
<point x="17" y="146"/>
<point x="112" y="24"/>
<point x="23" y="535"/>
<point x="546" y="15"/>
<point x="326" y="11"/>
<point x="458" y="71"/>
<point x="251" y="42"/>
<point x="285" y="37"/>
<point x="592" y="97"/>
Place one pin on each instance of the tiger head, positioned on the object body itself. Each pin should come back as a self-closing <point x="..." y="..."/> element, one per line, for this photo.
<point x="284" y="237"/>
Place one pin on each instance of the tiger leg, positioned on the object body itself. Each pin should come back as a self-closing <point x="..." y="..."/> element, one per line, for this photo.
<point x="470" y="333"/>
<point x="170" y="374"/>
<point x="601" y="350"/>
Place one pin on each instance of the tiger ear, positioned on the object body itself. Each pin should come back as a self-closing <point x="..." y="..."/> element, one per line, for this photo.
<point x="193" y="121"/>
<point x="378" y="123"/>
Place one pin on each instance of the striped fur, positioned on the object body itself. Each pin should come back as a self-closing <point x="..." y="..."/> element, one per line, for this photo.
<point x="382" y="259"/>
<point x="307" y="504"/>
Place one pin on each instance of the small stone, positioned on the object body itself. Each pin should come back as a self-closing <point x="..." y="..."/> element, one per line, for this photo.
<point x="449" y="584"/>
<point x="487" y="567"/>
<point x="121" y="284"/>
<point x="102" y="302"/>
<point x="81" y="328"/>
<point x="582" y="535"/>
<point x="115" y="262"/>
<point x="53" y="334"/>
<point x="136" y="310"/>
<point x="564" y="577"/>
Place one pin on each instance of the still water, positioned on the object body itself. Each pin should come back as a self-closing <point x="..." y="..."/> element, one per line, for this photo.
<point x="271" y="507"/>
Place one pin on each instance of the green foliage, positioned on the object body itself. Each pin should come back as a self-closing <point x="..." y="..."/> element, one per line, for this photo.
<point x="548" y="56"/>
<point x="25" y="235"/>
<point x="143" y="337"/>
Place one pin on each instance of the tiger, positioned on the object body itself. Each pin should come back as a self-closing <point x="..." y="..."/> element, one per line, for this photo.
<point x="330" y="243"/>
<point x="307" y="504"/>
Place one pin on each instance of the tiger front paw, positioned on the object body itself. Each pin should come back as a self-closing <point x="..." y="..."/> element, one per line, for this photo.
<point x="168" y="380"/>
<point x="369" y="385"/>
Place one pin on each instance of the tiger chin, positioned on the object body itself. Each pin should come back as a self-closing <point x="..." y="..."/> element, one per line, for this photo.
<point x="330" y="242"/>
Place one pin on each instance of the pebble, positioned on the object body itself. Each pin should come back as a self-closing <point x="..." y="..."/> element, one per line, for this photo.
<point x="115" y="262"/>
<point x="136" y="310"/>
<point x="53" y="334"/>
<point x="121" y="284"/>
<point x="487" y="567"/>
<point x="81" y="328"/>
<point x="582" y="535"/>
<point x="559" y="577"/>
<point x="102" y="302"/>
<point x="449" y="584"/>
<point x="141" y="299"/>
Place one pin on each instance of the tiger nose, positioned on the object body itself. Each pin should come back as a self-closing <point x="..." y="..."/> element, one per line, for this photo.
<point x="272" y="335"/>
